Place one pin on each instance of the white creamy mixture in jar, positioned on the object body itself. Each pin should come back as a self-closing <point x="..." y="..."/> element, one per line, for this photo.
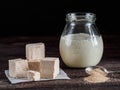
<point x="81" y="50"/>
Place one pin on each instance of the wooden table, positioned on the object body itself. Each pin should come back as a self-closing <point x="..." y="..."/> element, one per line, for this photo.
<point x="14" y="47"/>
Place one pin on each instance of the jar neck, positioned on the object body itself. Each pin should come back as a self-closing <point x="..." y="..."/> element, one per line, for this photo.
<point x="79" y="17"/>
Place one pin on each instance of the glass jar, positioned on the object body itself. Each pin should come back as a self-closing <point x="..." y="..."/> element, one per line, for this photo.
<point x="81" y="44"/>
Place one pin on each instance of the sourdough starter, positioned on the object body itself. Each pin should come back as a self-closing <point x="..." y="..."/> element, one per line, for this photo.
<point x="81" y="50"/>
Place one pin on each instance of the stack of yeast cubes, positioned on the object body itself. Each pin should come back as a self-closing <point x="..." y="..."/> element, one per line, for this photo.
<point x="36" y="65"/>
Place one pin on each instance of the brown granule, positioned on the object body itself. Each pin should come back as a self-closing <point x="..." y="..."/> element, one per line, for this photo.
<point x="96" y="76"/>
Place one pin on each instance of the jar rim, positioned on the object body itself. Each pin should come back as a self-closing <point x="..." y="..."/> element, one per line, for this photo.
<point x="81" y="16"/>
<point x="81" y="13"/>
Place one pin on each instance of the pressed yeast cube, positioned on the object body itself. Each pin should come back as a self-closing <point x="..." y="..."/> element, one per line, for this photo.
<point x="34" y="65"/>
<point x="49" y="67"/>
<point x="33" y="75"/>
<point x="35" y="51"/>
<point x="18" y="68"/>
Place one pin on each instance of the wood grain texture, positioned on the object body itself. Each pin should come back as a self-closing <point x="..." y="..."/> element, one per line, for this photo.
<point x="14" y="47"/>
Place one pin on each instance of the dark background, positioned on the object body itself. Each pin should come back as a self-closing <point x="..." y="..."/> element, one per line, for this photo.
<point x="47" y="17"/>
